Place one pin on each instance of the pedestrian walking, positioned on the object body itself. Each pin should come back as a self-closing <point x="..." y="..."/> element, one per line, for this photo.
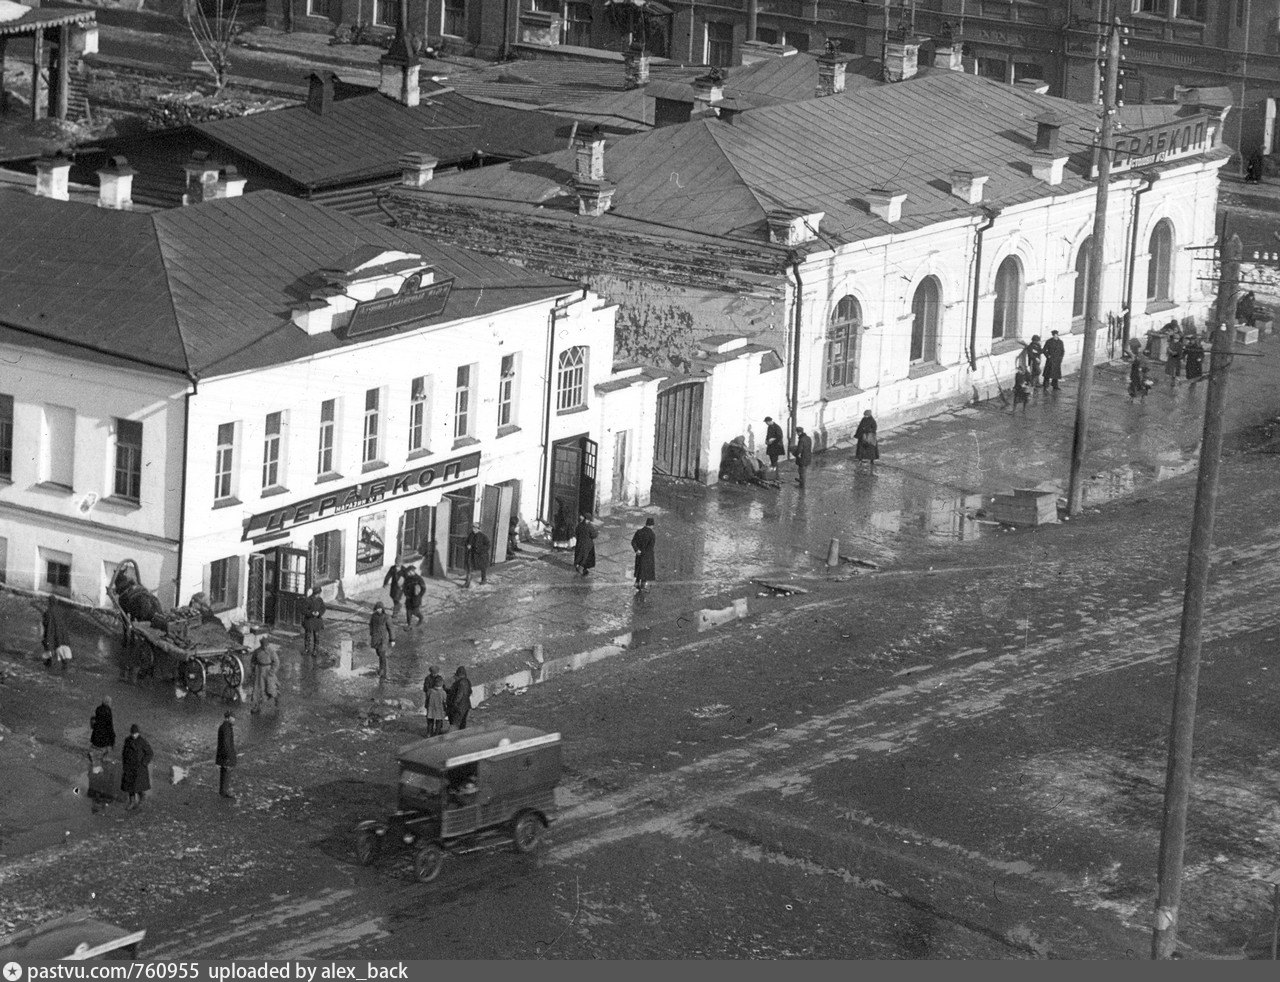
<point x="135" y="768"/>
<point x="1054" y="352"/>
<point x="102" y="730"/>
<point x="381" y="640"/>
<point x="1034" y="352"/>
<point x="435" y="705"/>
<point x="313" y="622"/>
<point x="584" y="548"/>
<point x="1138" y="381"/>
<point x="266" y="665"/>
<point x="458" y="704"/>
<point x="867" y="442"/>
<point x="56" y="637"/>
<point x="394" y="581"/>
<point x="1193" y="355"/>
<point x="226" y="757"/>
<point x="476" y="557"/>
<point x="643" y="543"/>
<point x="803" y="453"/>
<point x="774" y="443"/>
<point x="1173" y="359"/>
<point x="414" y="587"/>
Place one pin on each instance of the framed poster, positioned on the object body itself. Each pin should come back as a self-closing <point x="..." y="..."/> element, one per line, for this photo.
<point x="371" y="538"/>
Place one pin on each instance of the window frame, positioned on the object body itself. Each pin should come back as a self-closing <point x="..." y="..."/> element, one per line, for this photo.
<point x="1199" y="16"/>
<point x="928" y="317"/>
<point x="717" y="44"/>
<point x="842" y="348"/>
<point x="272" y="450"/>
<point x="128" y="461"/>
<point x="54" y="467"/>
<point x="453" y="13"/>
<point x="224" y="463"/>
<point x="1080" y="289"/>
<point x="571" y="379"/>
<point x="223" y="587"/>
<point x="371" y="439"/>
<point x="64" y="560"/>
<point x="380" y="8"/>
<point x="8" y="407"/>
<point x="463" y="402"/>
<point x="573" y="27"/>
<point x="1160" y="262"/>
<point x="326" y="546"/>
<point x="420" y="414"/>
<point x="328" y="428"/>
<point x="508" y="390"/>
<point x="1006" y="313"/>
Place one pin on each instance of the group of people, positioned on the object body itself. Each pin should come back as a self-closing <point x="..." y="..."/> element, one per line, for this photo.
<point x="1028" y="372"/>
<point x="407" y="588"/>
<point x="1183" y="351"/>
<point x="451" y="705"/>
<point x="135" y="755"/>
<point x="738" y="464"/>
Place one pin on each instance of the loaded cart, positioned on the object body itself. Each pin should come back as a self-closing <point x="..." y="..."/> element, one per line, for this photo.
<point x="465" y="791"/>
<point x="187" y="645"/>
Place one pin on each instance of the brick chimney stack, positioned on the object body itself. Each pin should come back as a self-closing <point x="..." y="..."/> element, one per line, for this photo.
<point x="201" y="174"/>
<point x="320" y="92"/>
<point x="708" y="89"/>
<point x="400" y="66"/>
<point x="228" y="185"/>
<point x="636" y="63"/>
<point x="831" y="66"/>
<point x="416" y="169"/>
<point x="1049" y="160"/>
<point x="901" y="57"/>
<point x="51" y="177"/>
<point x="589" y="162"/>
<point x="949" y="55"/>
<point x="115" y="185"/>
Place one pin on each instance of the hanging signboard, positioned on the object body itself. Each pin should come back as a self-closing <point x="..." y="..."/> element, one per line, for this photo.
<point x="428" y="477"/>
<point x="1187" y="137"/>
<point x="411" y="304"/>
<point x="371" y="537"/>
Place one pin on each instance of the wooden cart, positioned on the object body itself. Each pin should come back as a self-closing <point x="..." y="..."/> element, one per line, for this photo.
<point x="207" y="655"/>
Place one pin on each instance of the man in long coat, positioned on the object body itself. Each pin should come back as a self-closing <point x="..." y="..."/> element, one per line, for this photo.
<point x="458" y="704"/>
<point x="226" y="759"/>
<point x="414" y="588"/>
<point x="1054" y="352"/>
<point x="380" y="637"/>
<point x="56" y="634"/>
<point x="135" y="764"/>
<point x="643" y="542"/>
<point x="584" y="548"/>
<point x="803" y="453"/>
<point x="102" y="729"/>
<point x="394" y="580"/>
<point x="477" y="554"/>
<point x="266" y="663"/>
<point x="313" y="623"/>
<point x="774" y="443"/>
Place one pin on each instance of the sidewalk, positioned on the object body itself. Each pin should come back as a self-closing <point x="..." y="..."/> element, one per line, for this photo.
<point x="930" y="485"/>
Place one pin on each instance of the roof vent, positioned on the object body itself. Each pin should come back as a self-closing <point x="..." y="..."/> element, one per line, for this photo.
<point x="320" y="92"/>
<point x="886" y="203"/>
<point x="968" y="186"/>
<point x="754" y="52"/>
<point x="1048" y="167"/>
<point x="595" y="197"/>
<point x="51" y="177"/>
<point x="115" y="185"/>
<point x="793" y="226"/>
<point x="1047" y="127"/>
<point x="416" y="169"/>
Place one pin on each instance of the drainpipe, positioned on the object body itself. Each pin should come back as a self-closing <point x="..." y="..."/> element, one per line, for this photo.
<point x="980" y="230"/>
<point x="1149" y="177"/>
<point x="182" y="502"/>
<point x="794" y="258"/>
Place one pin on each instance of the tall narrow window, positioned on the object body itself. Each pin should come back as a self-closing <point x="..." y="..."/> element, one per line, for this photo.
<point x="386" y="13"/>
<point x="719" y="53"/>
<point x="462" y="421"/>
<point x="1084" y="262"/>
<point x="326" y="557"/>
<point x="1006" y="316"/>
<point x="842" y="343"/>
<point x="222" y="583"/>
<point x="1161" y="261"/>
<point x="58" y="445"/>
<point x="328" y="430"/>
<point x="577" y="24"/>
<point x="455" y="18"/>
<point x="6" y="438"/>
<point x="507" y="391"/>
<point x="271" y="439"/>
<point x="128" y="470"/>
<point x="372" y="413"/>
<point x="418" y="415"/>
<point x="224" y="462"/>
<point x="571" y="379"/>
<point x="925" y="306"/>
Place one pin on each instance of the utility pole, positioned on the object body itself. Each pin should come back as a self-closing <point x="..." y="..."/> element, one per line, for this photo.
<point x="1177" y="790"/>
<point x="1093" y="288"/>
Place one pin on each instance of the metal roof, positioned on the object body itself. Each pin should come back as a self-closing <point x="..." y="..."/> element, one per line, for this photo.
<point x="474" y="744"/>
<point x="40" y="17"/>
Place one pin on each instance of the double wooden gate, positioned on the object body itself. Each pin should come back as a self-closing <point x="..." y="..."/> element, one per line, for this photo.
<point x="678" y="439"/>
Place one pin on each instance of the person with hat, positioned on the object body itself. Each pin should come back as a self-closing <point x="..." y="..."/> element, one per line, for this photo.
<point x="135" y="768"/>
<point x="102" y="730"/>
<point x="381" y="639"/>
<point x="458" y="704"/>
<point x="435" y="705"/>
<point x="313" y="623"/>
<point x="266" y="665"/>
<point x="394" y="581"/>
<point x="414" y="589"/>
<point x="584" y="548"/>
<point x="226" y="758"/>
<point x="1054" y="352"/>
<point x="643" y="544"/>
<point x="477" y="554"/>
<point x="803" y="452"/>
<point x="774" y="443"/>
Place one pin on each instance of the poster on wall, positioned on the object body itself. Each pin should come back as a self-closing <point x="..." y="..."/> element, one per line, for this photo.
<point x="371" y="542"/>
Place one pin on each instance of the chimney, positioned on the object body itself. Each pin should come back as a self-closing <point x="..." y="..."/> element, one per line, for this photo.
<point x="729" y="109"/>
<point x="400" y="68"/>
<point x="708" y="89"/>
<point x="594" y="196"/>
<point x="901" y="57"/>
<point x="589" y="162"/>
<point x="886" y="203"/>
<point x="51" y="177"/>
<point x="320" y="92"/>
<point x="793" y="226"/>
<point x="115" y="185"/>
<point x="1037" y="85"/>
<point x="830" y="71"/>
<point x="1047" y="127"/>
<point x="228" y="185"/>
<point x="968" y="186"/>
<point x="949" y="55"/>
<point x="201" y="174"/>
<point x="416" y="169"/>
<point x="636" y="63"/>
<point x="1048" y="167"/>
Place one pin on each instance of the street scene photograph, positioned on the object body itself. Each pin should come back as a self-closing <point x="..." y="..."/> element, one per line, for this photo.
<point x="638" y="480"/>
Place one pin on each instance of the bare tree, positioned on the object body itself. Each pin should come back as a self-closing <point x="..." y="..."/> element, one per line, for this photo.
<point x="214" y="34"/>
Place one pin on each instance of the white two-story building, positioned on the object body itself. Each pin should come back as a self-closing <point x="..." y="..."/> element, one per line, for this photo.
<point x="256" y="395"/>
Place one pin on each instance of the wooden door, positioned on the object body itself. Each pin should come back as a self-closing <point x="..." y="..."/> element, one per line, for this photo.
<point x="293" y="569"/>
<point x="461" y="508"/>
<point x="678" y="434"/>
<point x="255" y="602"/>
<point x="619" y="487"/>
<point x="495" y="515"/>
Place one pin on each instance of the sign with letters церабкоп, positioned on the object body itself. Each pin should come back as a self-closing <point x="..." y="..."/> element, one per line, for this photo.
<point x="1185" y="137"/>
<point x="269" y="524"/>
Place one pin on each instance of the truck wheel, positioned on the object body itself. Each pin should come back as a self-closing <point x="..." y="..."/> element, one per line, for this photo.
<point x="368" y="844"/>
<point x="526" y="831"/>
<point x="427" y="862"/>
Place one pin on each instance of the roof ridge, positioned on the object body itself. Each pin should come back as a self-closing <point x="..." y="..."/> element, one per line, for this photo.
<point x="711" y="131"/>
<point x="153" y="221"/>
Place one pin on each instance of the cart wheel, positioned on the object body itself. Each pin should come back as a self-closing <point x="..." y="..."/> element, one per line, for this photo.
<point x="427" y="863"/>
<point x="232" y="670"/>
<point x="526" y="831"/>
<point x="368" y="844"/>
<point x="193" y="675"/>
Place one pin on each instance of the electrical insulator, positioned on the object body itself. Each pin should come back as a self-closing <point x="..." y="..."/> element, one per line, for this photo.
<point x="1119" y="102"/>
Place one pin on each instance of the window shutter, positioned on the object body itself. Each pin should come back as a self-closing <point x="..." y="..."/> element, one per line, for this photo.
<point x="233" y="581"/>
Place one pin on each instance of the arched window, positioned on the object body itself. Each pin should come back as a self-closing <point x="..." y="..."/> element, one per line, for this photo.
<point x="842" y="343"/>
<point x="571" y="379"/>
<point x="1006" y="320"/>
<point x="1161" y="251"/>
<point x="1084" y="260"/>
<point x="925" y="306"/>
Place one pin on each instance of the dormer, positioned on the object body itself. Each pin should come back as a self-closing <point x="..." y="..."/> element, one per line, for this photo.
<point x="369" y="273"/>
<point x="793" y="226"/>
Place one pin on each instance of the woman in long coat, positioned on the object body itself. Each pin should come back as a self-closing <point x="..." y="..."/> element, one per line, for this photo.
<point x="584" y="550"/>
<point x="135" y="768"/>
<point x="643" y="542"/>
<point x="102" y="728"/>
<point x="868" y="447"/>
<point x="55" y="634"/>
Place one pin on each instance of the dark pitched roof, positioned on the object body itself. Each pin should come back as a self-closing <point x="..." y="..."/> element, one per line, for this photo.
<point x="49" y="15"/>
<point x="208" y="289"/>
<point x="715" y="177"/>
<point x="362" y="138"/>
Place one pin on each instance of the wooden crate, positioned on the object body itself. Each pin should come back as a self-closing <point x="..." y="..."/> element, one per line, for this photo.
<point x="1026" y="506"/>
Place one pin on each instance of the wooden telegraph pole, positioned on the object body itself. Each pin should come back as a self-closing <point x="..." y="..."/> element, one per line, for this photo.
<point x="1093" y="292"/>
<point x="1173" y="835"/>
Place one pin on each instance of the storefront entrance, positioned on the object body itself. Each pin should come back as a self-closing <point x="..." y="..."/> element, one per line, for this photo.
<point x="462" y="507"/>
<point x="573" y="485"/>
<point x="277" y="587"/>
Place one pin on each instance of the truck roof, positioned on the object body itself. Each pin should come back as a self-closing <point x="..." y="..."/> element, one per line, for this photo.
<point x="468" y="746"/>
